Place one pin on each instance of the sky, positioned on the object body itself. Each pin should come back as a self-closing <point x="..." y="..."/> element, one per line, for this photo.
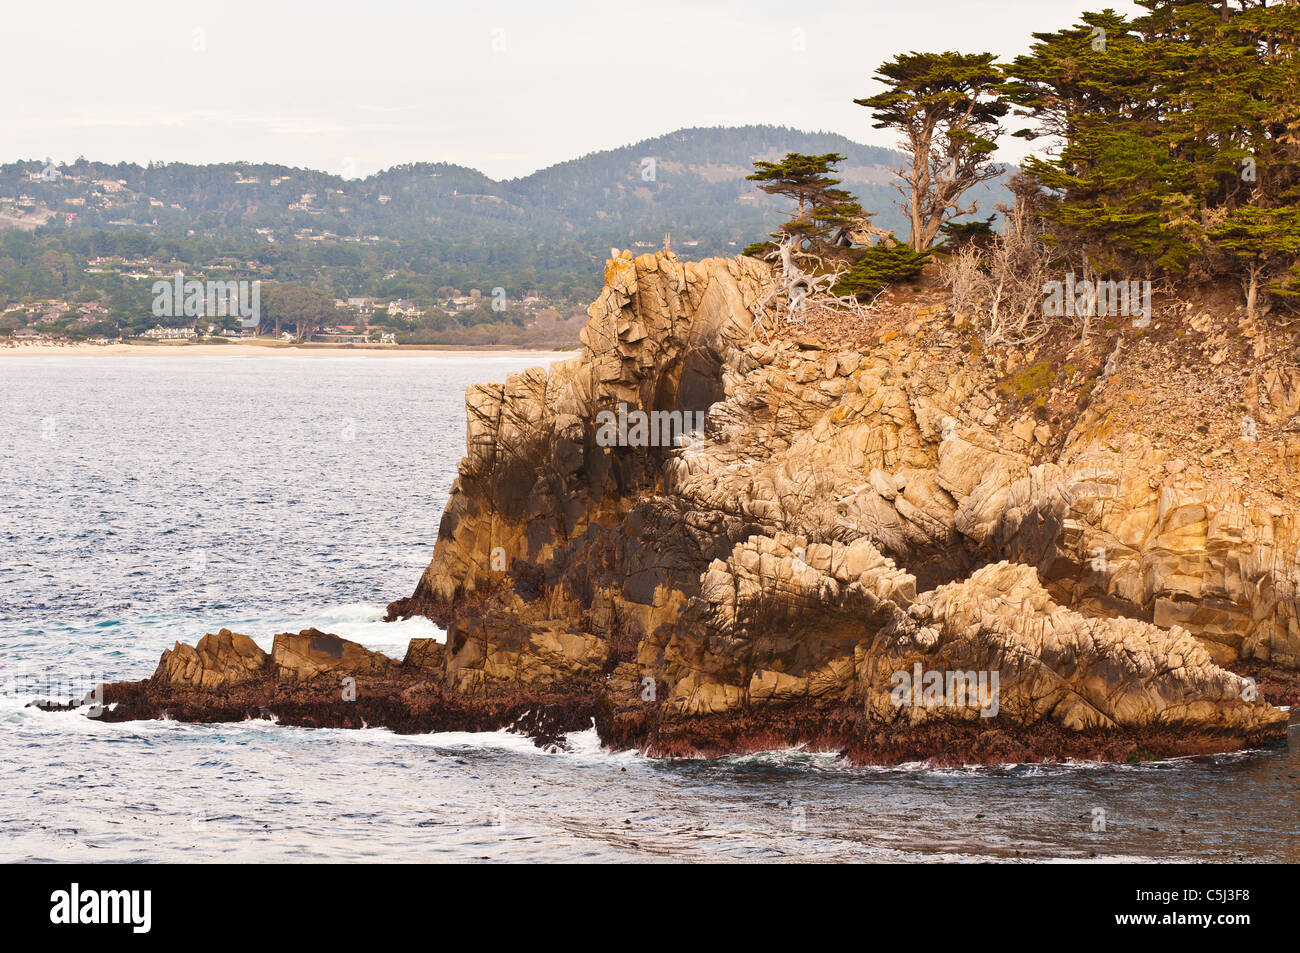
<point x="502" y="86"/>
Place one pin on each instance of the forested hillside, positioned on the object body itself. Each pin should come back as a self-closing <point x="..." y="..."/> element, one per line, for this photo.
<point x="422" y="226"/>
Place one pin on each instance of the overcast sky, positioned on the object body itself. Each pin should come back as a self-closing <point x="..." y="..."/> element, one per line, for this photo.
<point x="503" y="86"/>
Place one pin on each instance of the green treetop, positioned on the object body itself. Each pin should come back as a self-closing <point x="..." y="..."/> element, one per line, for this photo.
<point x="946" y="107"/>
<point x="825" y="216"/>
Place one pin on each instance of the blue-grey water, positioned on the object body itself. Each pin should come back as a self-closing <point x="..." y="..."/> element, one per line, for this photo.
<point x="149" y="499"/>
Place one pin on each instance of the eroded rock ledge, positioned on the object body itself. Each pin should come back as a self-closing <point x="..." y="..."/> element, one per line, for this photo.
<point x="854" y="518"/>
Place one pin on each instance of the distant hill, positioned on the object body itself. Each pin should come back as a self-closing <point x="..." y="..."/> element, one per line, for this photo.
<point x="690" y="182"/>
<point x="81" y="244"/>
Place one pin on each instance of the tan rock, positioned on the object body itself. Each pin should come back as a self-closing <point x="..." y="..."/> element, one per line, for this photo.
<point x="776" y="560"/>
<point x="427" y="657"/>
<point x="219" y="661"/>
<point x="313" y="654"/>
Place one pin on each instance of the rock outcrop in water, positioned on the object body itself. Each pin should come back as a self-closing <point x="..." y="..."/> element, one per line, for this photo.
<point x="874" y="545"/>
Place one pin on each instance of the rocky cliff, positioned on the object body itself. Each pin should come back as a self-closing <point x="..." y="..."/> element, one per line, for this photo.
<point x="883" y="540"/>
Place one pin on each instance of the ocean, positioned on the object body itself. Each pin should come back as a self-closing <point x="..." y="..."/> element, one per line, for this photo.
<point x="146" y="500"/>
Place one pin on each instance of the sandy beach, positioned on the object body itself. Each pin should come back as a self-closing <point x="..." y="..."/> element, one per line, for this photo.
<point x="272" y="349"/>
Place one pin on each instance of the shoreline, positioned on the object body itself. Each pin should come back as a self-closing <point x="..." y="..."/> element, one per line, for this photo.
<point x="275" y="349"/>
<point x="407" y="698"/>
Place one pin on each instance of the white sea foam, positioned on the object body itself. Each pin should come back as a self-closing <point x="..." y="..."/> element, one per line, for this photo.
<point x="581" y="746"/>
<point x="361" y="622"/>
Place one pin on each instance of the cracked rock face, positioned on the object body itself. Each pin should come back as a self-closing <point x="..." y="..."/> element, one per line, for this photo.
<point x="848" y="516"/>
<point x="1055" y="664"/>
<point x="533" y="476"/>
<point x="223" y="660"/>
<point x="862" y="550"/>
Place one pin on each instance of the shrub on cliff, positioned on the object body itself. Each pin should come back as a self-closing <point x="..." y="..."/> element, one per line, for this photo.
<point x="958" y="235"/>
<point x="825" y="216"/>
<point x="881" y="265"/>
